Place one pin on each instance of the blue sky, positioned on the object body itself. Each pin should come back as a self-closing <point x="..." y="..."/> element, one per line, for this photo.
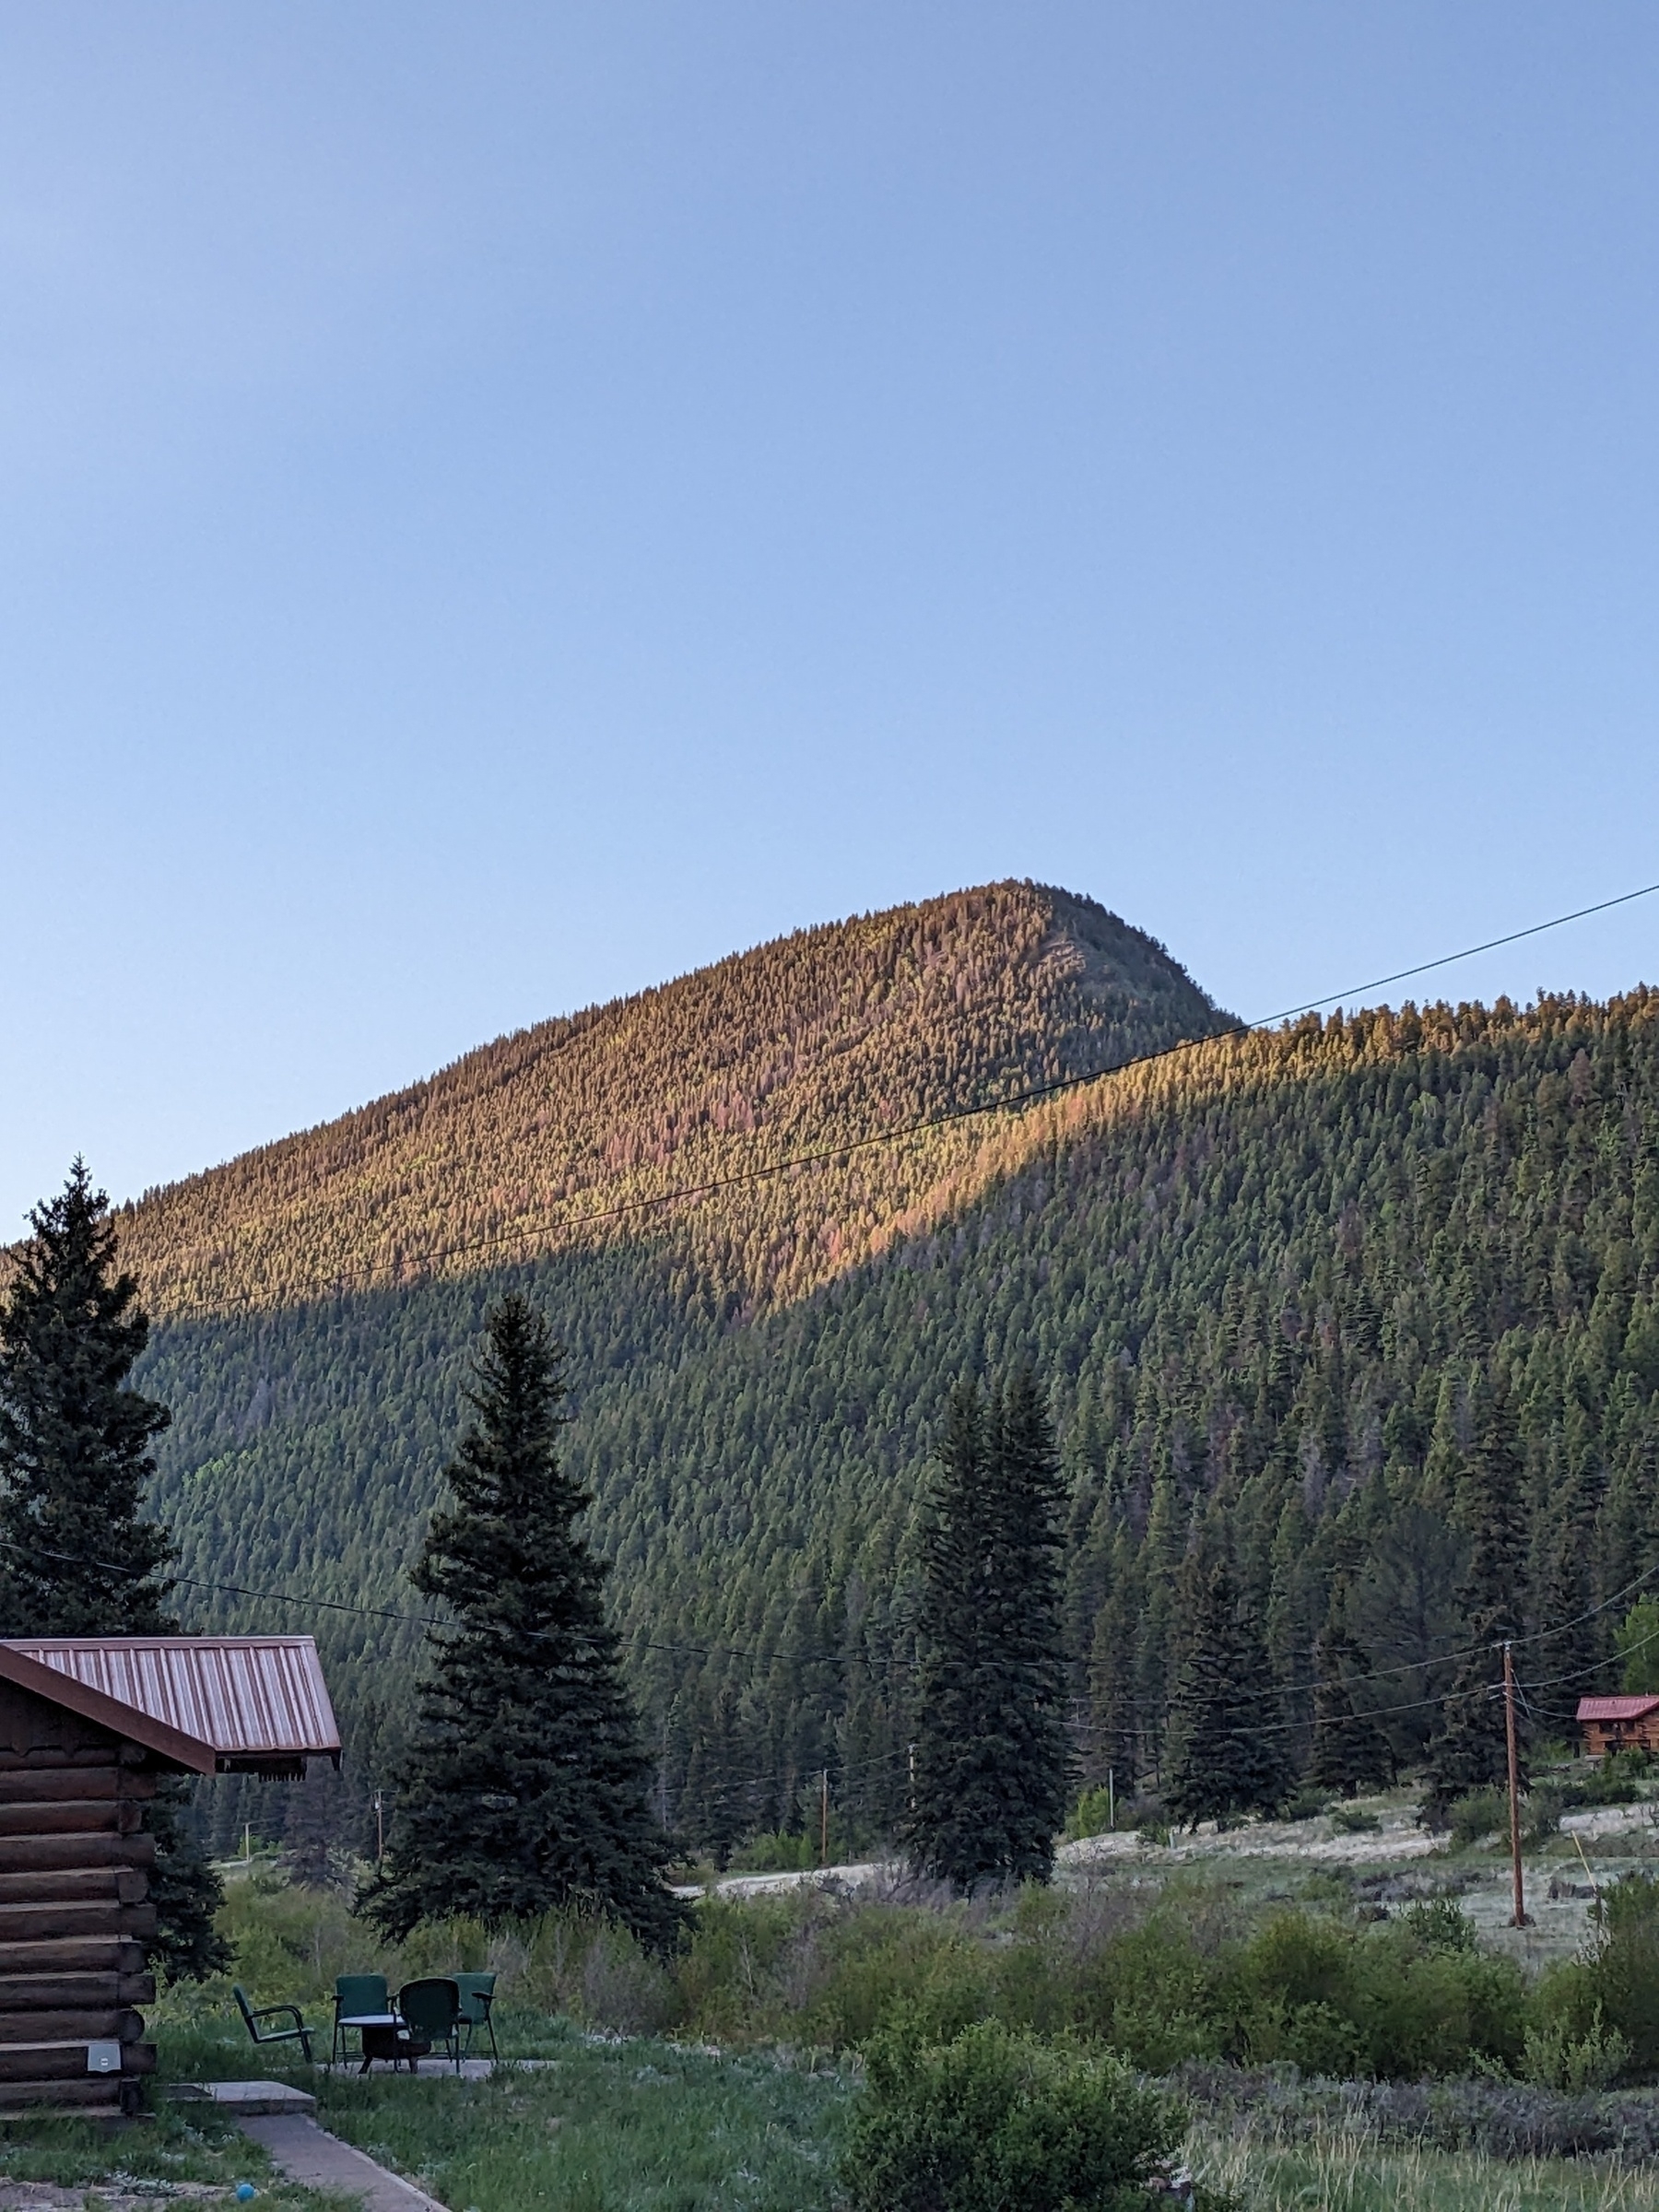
<point x="502" y="505"/>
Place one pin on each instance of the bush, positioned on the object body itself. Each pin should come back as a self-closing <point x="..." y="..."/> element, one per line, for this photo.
<point x="1094" y="1814"/>
<point x="1306" y="1804"/>
<point x="1400" y="1999"/>
<point x="1481" y="1813"/>
<point x="1440" y="1924"/>
<point x="997" y="2117"/>
<point x="1616" y="1780"/>
<point x="777" y="1853"/>
<point x="1097" y="1813"/>
<point x="1557" y="2059"/>
<point x="1613" y="1988"/>
<point x="1351" y="1821"/>
<point x="1541" y="1816"/>
<point x="1152" y="1993"/>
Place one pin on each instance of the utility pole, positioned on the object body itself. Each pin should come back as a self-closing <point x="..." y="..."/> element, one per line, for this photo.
<point x="824" y="1817"/>
<point x="1518" y="1919"/>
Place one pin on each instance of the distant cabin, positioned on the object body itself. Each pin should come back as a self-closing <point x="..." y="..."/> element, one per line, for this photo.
<point x="88" y="1725"/>
<point x="1618" y="1724"/>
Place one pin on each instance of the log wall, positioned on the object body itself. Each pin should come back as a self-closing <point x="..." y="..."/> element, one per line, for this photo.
<point x="74" y="1909"/>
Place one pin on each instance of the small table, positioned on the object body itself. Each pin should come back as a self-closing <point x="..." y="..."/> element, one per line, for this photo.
<point x="382" y="2035"/>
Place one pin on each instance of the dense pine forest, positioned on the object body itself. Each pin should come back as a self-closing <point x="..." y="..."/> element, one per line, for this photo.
<point x="1273" y="1286"/>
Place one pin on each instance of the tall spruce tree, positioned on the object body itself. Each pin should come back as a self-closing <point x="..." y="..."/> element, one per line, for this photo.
<point x="524" y="1786"/>
<point x="993" y="1764"/>
<point x="1350" y="1752"/>
<point x="1227" y="1743"/>
<point x="76" y="1556"/>
<point x="1469" y="1750"/>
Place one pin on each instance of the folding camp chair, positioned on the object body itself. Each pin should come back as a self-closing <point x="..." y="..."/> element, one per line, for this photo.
<point x="299" y="2033"/>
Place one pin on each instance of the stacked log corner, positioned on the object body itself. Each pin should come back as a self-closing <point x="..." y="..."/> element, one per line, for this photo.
<point x="74" y="1916"/>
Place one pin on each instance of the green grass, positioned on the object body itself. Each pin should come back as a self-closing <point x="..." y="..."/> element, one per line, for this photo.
<point x="178" y="2144"/>
<point x="637" y="2126"/>
<point x="1342" y="2172"/>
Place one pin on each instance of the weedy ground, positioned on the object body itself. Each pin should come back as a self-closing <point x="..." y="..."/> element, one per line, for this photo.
<point x="635" y="2126"/>
<point x="1336" y="2172"/>
<point x="176" y="2157"/>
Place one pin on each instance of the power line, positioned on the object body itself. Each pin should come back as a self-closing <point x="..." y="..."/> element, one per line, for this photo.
<point x="768" y="1170"/>
<point x="1407" y="1666"/>
<point x="424" y="1620"/>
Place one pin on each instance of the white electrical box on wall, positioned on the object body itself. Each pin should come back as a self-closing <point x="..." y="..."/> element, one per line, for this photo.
<point x="103" y="2058"/>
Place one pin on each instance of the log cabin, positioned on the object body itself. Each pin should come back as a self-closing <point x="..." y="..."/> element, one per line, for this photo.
<point x="1618" y="1724"/>
<point x="88" y="1727"/>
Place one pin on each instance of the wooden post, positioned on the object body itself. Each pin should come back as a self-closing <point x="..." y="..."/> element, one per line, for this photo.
<point x="913" y="1777"/>
<point x="1111" y="1799"/>
<point x="824" y="1817"/>
<point x="1518" y="1919"/>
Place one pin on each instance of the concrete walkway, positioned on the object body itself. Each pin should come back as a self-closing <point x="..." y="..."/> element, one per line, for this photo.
<point x="310" y="2155"/>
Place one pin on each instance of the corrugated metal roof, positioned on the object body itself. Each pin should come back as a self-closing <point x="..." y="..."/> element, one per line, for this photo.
<point x="1614" y="1708"/>
<point x="249" y="1697"/>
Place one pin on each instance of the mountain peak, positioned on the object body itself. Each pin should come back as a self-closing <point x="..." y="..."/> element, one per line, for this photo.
<point x="583" y="1126"/>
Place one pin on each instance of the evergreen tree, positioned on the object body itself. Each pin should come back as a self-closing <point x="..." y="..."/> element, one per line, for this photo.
<point x="77" y="1558"/>
<point x="1226" y="1745"/>
<point x="992" y="1760"/>
<point x="1350" y="1752"/>
<point x="1112" y="1678"/>
<point x="717" y="1798"/>
<point x="1469" y="1749"/>
<point x="524" y="1786"/>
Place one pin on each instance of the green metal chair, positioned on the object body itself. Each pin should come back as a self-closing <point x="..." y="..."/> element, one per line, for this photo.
<point x="299" y="2033"/>
<point x="478" y="1995"/>
<point x="432" y="2013"/>
<point x="355" y="1995"/>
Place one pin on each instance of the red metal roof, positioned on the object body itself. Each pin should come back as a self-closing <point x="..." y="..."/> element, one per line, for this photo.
<point x="1616" y="1709"/>
<point x="252" y="1699"/>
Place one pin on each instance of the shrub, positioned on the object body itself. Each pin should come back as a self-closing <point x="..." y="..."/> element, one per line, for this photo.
<point x="1305" y="1805"/>
<point x="1541" y="1816"/>
<point x="1353" y="1821"/>
<point x="777" y="1853"/>
<point x="879" y="1965"/>
<point x="1400" y="1998"/>
<point x="1093" y="1815"/>
<point x="1616" y="1780"/>
<point x="995" y="2118"/>
<point x="1557" y="2059"/>
<point x="1152" y="1993"/>
<point x="1440" y="1924"/>
<point x="1481" y="1813"/>
<point x="1618" y="1981"/>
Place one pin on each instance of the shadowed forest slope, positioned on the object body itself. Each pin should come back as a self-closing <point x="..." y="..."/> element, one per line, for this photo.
<point x="1262" y="1280"/>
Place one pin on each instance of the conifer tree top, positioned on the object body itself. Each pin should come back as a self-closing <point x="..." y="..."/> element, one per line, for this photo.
<point x="75" y="1557"/>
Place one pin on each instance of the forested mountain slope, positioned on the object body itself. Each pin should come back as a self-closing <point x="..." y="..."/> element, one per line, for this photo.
<point x="534" y="1142"/>
<point x="1261" y="1279"/>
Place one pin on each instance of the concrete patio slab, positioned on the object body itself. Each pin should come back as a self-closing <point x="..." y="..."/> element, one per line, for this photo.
<point x="239" y="2096"/>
